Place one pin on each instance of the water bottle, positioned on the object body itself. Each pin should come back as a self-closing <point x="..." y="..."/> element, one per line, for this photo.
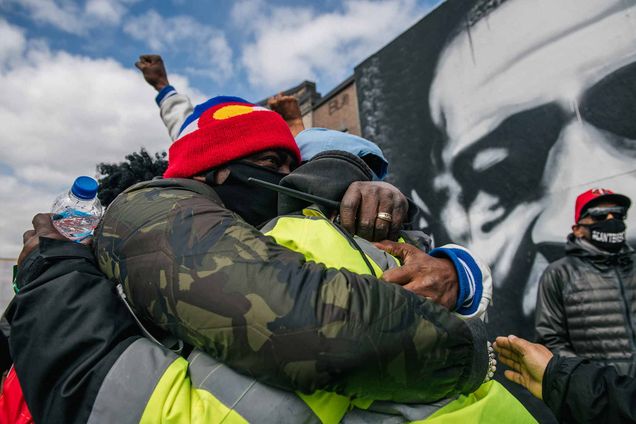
<point x="77" y="212"/>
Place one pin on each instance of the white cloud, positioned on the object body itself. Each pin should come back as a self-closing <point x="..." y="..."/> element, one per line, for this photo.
<point x="106" y="11"/>
<point x="65" y="16"/>
<point x="206" y="47"/>
<point x="246" y="11"/>
<point x="12" y="43"/>
<point x="17" y="214"/>
<point x="70" y="17"/>
<point x="306" y="44"/>
<point x="61" y="114"/>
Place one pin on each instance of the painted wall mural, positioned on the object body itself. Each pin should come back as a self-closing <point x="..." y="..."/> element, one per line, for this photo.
<point x="495" y="115"/>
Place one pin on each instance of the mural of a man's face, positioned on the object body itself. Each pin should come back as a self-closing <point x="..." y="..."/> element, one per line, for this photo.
<point x="538" y="103"/>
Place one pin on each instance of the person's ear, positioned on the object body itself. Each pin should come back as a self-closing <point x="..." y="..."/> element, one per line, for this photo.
<point x="578" y="231"/>
<point x="220" y="175"/>
<point x="214" y="177"/>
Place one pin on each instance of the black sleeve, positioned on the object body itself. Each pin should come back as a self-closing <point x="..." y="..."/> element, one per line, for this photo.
<point x="67" y="328"/>
<point x="5" y="355"/>
<point x="413" y="216"/>
<point x="579" y="391"/>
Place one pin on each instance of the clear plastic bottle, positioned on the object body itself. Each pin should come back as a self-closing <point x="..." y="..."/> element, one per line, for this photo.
<point x="77" y="212"/>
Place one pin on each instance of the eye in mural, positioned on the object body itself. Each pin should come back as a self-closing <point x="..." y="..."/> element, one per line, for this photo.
<point x="496" y="115"/>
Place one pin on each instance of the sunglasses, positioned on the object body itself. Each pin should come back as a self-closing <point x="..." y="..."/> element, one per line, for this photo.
<point x="601" y="213"/>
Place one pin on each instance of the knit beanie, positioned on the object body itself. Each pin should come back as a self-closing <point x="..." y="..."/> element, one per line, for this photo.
<point x="313" y="141"/>
<point x="224" y="129"/>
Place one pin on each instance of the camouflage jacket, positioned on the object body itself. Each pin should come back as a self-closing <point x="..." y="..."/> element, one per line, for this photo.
<point x="197" y="270"/>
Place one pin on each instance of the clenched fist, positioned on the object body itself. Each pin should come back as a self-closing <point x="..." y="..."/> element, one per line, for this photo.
<point x="153" y="70"/>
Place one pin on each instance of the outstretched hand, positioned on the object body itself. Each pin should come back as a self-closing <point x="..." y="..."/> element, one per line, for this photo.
<point x="423" y="274"/>
<point x="42" y="227"/>
<point x="527" y="361"/>
<point x="153" y="70"/>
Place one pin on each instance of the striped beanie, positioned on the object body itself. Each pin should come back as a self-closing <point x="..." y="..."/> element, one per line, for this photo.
<point x="224" y="129"/>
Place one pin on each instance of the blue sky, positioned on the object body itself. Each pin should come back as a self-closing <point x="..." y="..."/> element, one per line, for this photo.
<point x="212" y="43"/>
<point x="72" y="97"/>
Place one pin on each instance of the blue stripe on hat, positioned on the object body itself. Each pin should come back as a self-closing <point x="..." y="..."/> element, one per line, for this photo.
<point x="199" y="109"/>
<point x="469" y="276"/>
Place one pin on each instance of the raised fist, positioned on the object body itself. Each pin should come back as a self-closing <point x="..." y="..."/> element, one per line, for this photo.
<point x="153" y="70"/>
<point x="288" y="108"/>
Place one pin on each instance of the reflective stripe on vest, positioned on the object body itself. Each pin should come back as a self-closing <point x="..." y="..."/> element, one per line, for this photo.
<point x="141" y="365"/>
<point x="175" y="400"/>
<point x="148" y="384"/>
<point x="390" y="412"/>
<point x="253" y="401"/>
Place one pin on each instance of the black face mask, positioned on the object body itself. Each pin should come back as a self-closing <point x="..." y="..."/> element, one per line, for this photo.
<point x="608" y="235"/>
<point x="254" y="204"/>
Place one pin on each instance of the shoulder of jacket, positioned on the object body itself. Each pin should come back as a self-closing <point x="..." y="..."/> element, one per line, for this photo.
<point x="562" y="273"/>
<point x="556" y="272"/>
<point x="185" y="185"/>
<point x="567" y="261"/>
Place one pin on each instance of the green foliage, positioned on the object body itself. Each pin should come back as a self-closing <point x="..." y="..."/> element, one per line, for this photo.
<point x="138" y="167"/>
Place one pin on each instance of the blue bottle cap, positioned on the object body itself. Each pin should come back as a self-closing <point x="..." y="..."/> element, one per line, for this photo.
<point x="84" y="188"/>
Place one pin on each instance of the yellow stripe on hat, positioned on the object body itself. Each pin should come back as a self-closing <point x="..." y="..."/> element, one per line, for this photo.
<point x="235" y="110"/>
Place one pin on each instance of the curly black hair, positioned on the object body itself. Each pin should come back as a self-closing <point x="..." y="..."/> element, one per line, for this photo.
<point x="138" y="167"/>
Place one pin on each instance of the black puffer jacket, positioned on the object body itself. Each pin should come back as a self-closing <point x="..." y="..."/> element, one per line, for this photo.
<point x="586" y="306"/>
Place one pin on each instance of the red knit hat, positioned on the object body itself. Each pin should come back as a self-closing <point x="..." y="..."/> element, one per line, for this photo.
<point x="596" y="196"/>
<point x="222" y="130"/>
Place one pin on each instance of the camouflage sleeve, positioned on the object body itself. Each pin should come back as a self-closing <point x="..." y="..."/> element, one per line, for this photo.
<point x="200" y="272"/>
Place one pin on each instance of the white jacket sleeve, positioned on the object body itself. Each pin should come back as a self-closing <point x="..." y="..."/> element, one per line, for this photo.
<point x="475" y="280"/>
<point x="174" y="108"/>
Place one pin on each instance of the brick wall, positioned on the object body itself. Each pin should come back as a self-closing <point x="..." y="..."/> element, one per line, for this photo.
<point x="339" y="111"/>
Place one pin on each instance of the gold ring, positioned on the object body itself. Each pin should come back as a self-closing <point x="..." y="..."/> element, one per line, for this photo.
<point x="384" y="216"/>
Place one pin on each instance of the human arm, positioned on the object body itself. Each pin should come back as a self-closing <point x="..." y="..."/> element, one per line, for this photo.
<point x="376" y="210"/>
<point x="576" y="390"/>
<point x="174" y="107"/>
<point x="288" y="108"/>
<point x="550" y="319"/>
<point x="197" y="270"/>
<point x="527" y="361"/>
<point x="450" y="275"/>
<point x="77" y="350"/>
